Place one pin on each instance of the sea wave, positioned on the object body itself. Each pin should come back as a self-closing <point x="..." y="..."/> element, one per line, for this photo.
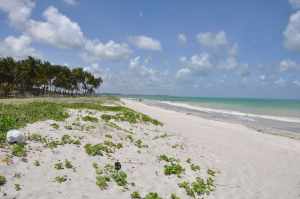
<point x="234" y="113"/>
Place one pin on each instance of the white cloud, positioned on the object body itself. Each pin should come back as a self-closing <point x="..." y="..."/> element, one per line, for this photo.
<point x="182" y="38"/>
<point x="280" y="82"/>
<point x="295" y="3"/>
<point x="96" y="50"/>
<point x="58" y="30"/>
<point x="296" y="82"/>
<point x="262" y="77"/>
<point x="136" y="65"/>
<point x="19" y="11"/>
<point x="219" y="55"/>
<point x="292" y="32"/>
<point x="145" y="42"/>
<point x="183" y="72"/>
<point x="71" y="2"/>
<point x="17" y="47"/>
<point x="288" y="64"/>
<point x="212" y="40"/>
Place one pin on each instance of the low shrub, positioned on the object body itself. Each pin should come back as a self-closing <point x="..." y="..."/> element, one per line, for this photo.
<point x="2" y="180"/>
<point x="90" y="119"/>
<point x="152" y="195"/>
<point x="135" y="195"/>
<point x="18" y="150"/>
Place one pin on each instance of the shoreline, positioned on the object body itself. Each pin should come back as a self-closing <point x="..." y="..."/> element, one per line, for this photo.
<point x="250" y="162"/>
<point x="259" y="123"/>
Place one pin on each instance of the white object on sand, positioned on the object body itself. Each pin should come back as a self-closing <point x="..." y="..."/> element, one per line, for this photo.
<point x="15" y="136"/>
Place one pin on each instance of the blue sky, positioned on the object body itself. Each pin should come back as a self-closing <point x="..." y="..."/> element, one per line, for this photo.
<point x="227" y="48"/>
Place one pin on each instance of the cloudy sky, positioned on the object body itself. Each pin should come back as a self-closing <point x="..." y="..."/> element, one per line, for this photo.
<point x="232" y="48"/>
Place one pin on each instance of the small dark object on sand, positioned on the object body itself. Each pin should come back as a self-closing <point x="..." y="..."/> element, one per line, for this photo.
<point x="117" y="165"/>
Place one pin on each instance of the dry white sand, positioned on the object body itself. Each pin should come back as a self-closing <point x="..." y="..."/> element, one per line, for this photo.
<point x="251" y="164"/>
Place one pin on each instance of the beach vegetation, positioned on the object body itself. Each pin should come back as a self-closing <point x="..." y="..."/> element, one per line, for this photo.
<point x="105" y="147"/>
<point x="173" y="169"/>
<point x="120" y="177"/>
<point x="2" y="180"/>
<point x="135" y="195"/>
<point x="195" y="167"/>
<point x="18" y="150"/>
<point x="130" y="138"/>
<point x="36" y="163"/>
<point x="166" y="158"/>
<point x="198" y="187"/>
<point x="102" y="182"/>
<point x="152" y="195"/>
<point x="174" y="196"/>
<point x="211" y="172"/>
<point x="131" y="116"/>
<point x="139" y="143"/>
<point x="108" y="136"/>
<point x="61" y="179"/>
<point x="14" y="116"/>
<point x="68" y="164"/>
<point x="59" y="166"/>
<point x="89" y="118"/>
<point x="50" y="143"/>
<point x="18" y="187"/>
<point x="54" y="125"/>
<point x="187" y="187"/>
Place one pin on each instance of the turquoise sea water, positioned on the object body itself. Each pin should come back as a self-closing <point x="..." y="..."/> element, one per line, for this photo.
<point x="273" y="107"/>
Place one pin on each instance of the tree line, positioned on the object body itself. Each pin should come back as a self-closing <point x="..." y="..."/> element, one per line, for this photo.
<point x="34" y="77"/>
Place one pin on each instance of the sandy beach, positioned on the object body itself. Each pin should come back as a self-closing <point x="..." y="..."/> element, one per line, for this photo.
<point x="187" y="157"/>
<point x="251" y="164"/>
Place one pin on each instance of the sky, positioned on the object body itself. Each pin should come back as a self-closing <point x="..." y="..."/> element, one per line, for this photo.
<point x="211" y="48"/>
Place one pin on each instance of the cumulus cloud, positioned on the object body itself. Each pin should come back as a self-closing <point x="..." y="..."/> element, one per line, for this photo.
<point x="219" y="55"/>
<point x="19" y="11"/>
<point x="96" y="50"/>
<point x="292" y="32"/>
<point x="136" y="65"/>
<point x="295" y="3"/>
<point x="212" y="40"/>
<point x="71" y="2"/>
<point x="17" y="47"/>
<point x="58" y="30"/>
<point x="182" y="38"/>
<point x="145" y="42"/>
<point x="288" y="64"/>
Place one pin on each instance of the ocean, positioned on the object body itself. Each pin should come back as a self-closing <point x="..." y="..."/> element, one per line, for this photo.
<point x="275" y="114"/>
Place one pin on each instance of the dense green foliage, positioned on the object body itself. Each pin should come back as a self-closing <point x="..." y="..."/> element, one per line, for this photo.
<point x="35" y="77"/>
<point x="16" y="116"/>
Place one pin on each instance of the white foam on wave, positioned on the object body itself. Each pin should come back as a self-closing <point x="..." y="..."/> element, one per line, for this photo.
<point x="235" y="113"/>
